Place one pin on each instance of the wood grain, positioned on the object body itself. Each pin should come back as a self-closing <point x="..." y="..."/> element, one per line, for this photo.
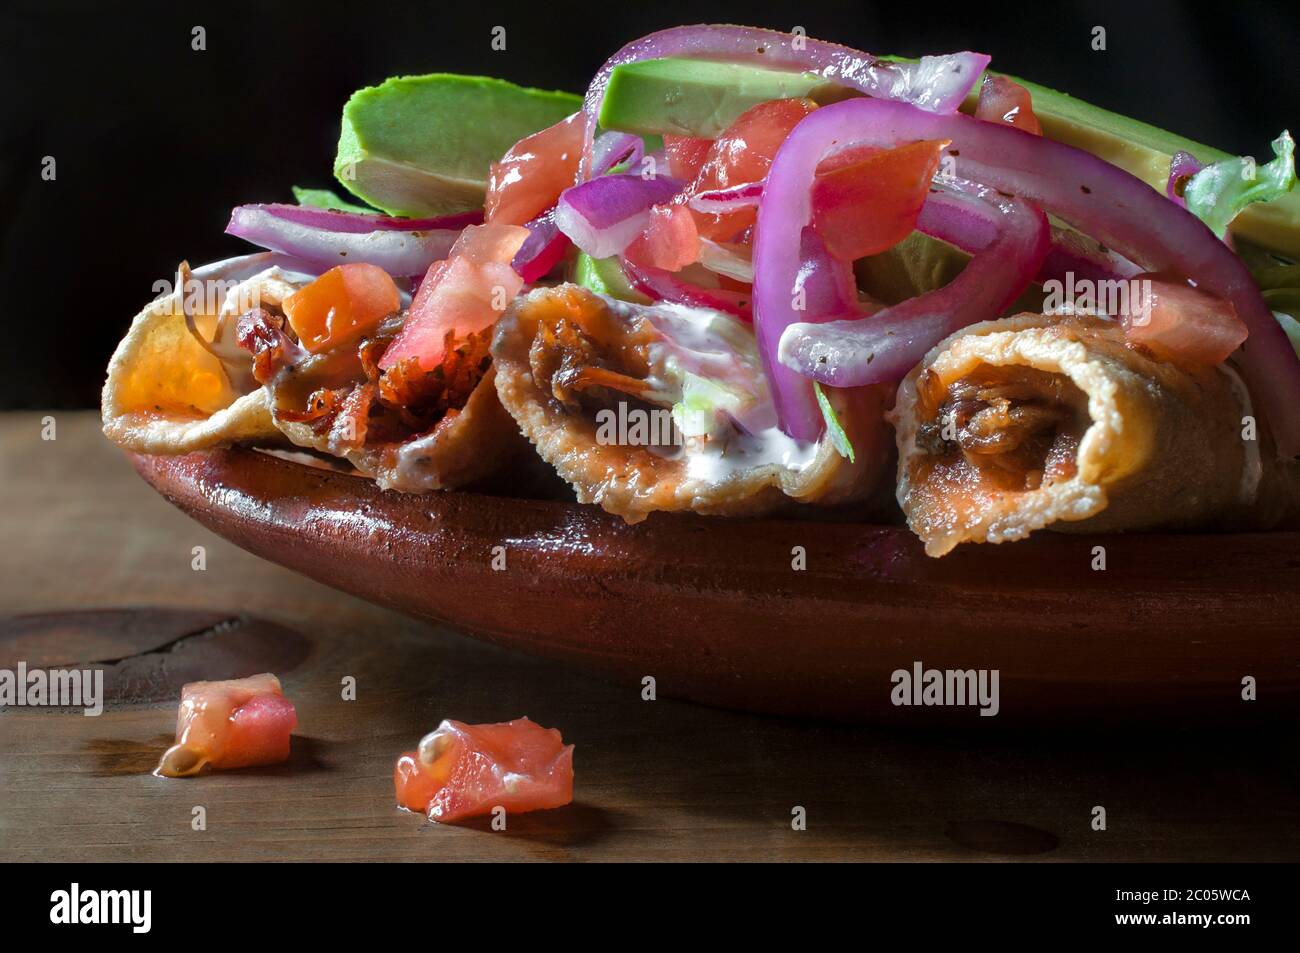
<point x="658" y="780"/>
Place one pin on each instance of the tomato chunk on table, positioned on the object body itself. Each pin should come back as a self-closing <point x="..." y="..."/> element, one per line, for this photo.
<point x="462" y="771"/>
<point x="232" y="724"/>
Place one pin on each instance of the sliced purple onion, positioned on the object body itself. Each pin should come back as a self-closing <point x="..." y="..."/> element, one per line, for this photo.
<point x="885" y="346"/>
<point x="332" y="220"/>
<point x="243" y="267"/>
<point x="722" y="201"/>
<point x="824" y="287"/>
<point x="613" y="148"/>
<point x="603" y="216"/>
<point x="1182" y="167"/>
<point x="1098" y="199"/>
<point x="542" y="249"/>
<point x="324" y="238"/>
<point x="972" y="227"/>
<point x="937" y="83"/>
<point x="660" y="285"/>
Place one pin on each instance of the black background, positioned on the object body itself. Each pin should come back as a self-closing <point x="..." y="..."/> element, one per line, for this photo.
<point x="155" y="142"/>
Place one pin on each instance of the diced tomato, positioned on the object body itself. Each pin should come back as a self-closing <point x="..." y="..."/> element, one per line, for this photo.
<point x="744" y="153"/>
<point x="342" y="304"/>
<point x="231" y="724"/>
<point x="534" y="171"/>
<point x="686" y="155"/>
<point x="866" y="200"/>
<point x="464" y="294"/>
<point x="464" y="770"/>
<point x="1184" y="324"/>
<point x="1006" y="101"/>
<point x="669" y="241"/>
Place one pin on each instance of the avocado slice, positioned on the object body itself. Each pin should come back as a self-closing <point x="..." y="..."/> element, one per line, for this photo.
<point x="685" y="97"/>
<point x="326" y="199"/>
<point x="688" y="97"/>
<point x="1145" y="151"/>
<point x="421" y="145"/>
<point x="605" y="276"/>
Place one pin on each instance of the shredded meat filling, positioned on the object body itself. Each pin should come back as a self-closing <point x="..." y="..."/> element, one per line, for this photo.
<point x="582" y="354"/>
<point x="345" y="395"/>
<point x="1021" y="421"/>
<point x="266" y="335"/>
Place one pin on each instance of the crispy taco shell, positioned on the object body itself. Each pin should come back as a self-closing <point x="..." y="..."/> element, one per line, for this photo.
<point x="168" y="394"/>
<point x="634" y="481"/>
<point x="1028" y="422"/>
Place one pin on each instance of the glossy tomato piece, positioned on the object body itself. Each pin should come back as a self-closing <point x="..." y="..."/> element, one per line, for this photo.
<point x="341" y="305"/>
<point x="533" y="172"/>
<point x="1006" y="101"/>
<point x="686" y="155"/>
<point x="462" y="770"/>
<point x="669" y="241"/>
<point x="231" y="724"/>
<point x="867" y="200"/>
<point x="464" y="294"/>
<point x="1182" y="324"/>
<point x="744" y="153"/>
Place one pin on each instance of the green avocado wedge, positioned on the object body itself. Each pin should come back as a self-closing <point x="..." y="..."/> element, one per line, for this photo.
<point x="605" y="276"/>
<point x="685" y="97"/>
<point x="1145" y="151"/>
<point x="700" y="98"/>
<point x="421" y="145"/>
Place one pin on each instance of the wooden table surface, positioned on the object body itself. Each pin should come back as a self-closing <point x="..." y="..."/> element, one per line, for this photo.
<point x="656" y="780"/>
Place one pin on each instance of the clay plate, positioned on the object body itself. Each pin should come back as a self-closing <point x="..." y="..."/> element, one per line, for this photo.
<point x="712" y="609"/>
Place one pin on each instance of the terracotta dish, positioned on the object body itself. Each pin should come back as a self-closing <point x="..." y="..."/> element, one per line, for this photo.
<point x="714" y="611"/>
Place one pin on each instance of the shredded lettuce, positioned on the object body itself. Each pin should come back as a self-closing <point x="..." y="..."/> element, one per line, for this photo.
<point x="1220" y="191"/>
<point x="839" y="438"/>
<point x="705" y="406"/>
<point x="324" y="198"/>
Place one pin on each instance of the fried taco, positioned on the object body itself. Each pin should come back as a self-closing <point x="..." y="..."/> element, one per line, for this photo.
<point x="713" y="283"/>
<point x="645" y="408"/>
<point x="1032" y="421"/>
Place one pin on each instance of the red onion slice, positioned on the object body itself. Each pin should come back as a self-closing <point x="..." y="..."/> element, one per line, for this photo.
<point x="613" y="148"/>
<point x="887" y="345"/>
<point x="332" y="220"/>
<point x="603" y="216"/>
<point x="1182" y="167"/>
<point x="243" y="267"/>
<point x="542" y="249"/>
<point x="824" y="284"/>
<point x="326" y="238"/>
<point x="1099" y="199"/>
<point x="937" y="83"/>
<point x="972" y="226"/>
<point x="659" y="285"/>
<point x="722" y="201"/>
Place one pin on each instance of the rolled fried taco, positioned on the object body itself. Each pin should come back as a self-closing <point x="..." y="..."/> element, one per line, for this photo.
<point x="666" y="408"/>
<point x="287" y="359"/>
<point x="1036" y="421"/>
